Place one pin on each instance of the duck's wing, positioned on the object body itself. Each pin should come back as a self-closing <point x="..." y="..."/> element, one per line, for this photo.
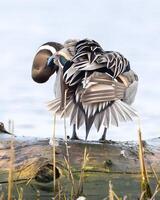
<point x="116" y="62"/>
<point x="131" y="90"/>
<point x="89" y="57"/>
<point x="110" y="61"/>
<point x="100" y="87"/>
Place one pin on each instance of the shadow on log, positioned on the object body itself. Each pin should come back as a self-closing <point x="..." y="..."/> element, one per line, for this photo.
<point x="116" y="161"/>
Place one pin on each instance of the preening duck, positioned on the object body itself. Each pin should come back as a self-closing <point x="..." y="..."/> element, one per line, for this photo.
<point x="93" y="86"/>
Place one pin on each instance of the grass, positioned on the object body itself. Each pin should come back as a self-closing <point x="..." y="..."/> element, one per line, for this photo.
<point x="11" y="163"/>
<point x="54" y="153"/>
<point x="111" y="194"/>
<point x="145" y="185"/>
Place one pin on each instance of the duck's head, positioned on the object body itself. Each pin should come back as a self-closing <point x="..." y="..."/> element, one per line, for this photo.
<point x="40" y="72"/>
<point x="2" y="128"/>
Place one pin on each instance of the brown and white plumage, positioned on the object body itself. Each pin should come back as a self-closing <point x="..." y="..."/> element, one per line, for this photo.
<point x="99" y="85"/>
<point x="40" y="72"/>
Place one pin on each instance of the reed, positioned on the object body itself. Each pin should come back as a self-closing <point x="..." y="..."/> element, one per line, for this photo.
<point x="82" y="174"/>
<point x="157" y="189"/>
<point x="112" y="195"/>
<point x="156" y="177"/>
<point x="145" y="185"/>
<point x="11" y="162"/>
<point x="54" y="153"/>
<point x="67" y="158"/>
<point x="77" y="190"/>
<point x="65" y="127"/>
<point x="2" y="196"/>
<point x="20" y="193"/>
<point x="70" y="176"/>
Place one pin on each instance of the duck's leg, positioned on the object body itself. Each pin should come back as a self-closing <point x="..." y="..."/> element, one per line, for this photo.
<point x="74" y="133"/>
<point x="103" y="138"/>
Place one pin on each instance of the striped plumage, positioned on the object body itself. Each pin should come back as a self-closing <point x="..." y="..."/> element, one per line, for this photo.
<point x="99" y="85"/>
<point x="89" y="56"/>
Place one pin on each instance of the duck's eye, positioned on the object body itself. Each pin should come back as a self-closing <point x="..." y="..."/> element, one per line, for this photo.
<point x="62" y="60"/>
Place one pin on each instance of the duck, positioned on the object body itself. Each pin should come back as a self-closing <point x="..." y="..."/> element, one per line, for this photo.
<point x="92" y="86"/>
<point x="3" y="130"/>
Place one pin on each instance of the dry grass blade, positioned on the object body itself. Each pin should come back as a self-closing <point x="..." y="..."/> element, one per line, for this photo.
<point x="11" y="163"/>
<point x="54" y="153"/>
<point x="65" y="127"/>
<point x="81" y="180"/>
<point x="20" y="196"/>
<point x="67" y="158"/>
<point x="2" y="196"/>
<point x="71" y="178"/>
<point x="60" y="192"/>
<point x="158" y="183"/>
<point x="142" y="195"/>
<point x="60" y="195"/>
<point x="145" y="187"/>
<point x="76" y="192"/>
<point x="117" y="198"/>
<point x="112" y="194"/>
<point x="155" y="193"/>
<point x="156" y="176"/>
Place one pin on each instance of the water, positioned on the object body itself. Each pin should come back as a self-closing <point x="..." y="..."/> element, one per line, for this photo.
<point x="132" y="28"/>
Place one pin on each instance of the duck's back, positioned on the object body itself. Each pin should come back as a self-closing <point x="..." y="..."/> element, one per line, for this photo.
<point x="99" y="86"/>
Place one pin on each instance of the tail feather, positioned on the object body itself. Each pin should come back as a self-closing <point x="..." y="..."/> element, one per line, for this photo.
<point x="80" y="118"/>
<point x="121" y="115"/>
<point x="118" y="112"/>
<point x="107" y="118"/>
<point x="128" y="111"/>
<point x="114" y="119"/>
<point x="88" y="122"/>
<point x="109" y="114"/>
<point x="53" y="105"/>
<point x="73" y="115"/>
<point x="98" y="120"/>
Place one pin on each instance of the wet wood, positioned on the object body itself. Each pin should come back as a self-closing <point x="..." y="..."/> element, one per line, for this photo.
<point x="33" y="160"/>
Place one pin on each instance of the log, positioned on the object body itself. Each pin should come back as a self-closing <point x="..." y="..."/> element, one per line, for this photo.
<point x="116" y="161"/>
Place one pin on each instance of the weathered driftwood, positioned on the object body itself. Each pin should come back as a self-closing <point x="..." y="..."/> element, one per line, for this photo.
<point x="33" y="160"/>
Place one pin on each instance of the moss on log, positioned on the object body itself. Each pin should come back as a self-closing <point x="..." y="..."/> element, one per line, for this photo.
<point x="116" y="161"/>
